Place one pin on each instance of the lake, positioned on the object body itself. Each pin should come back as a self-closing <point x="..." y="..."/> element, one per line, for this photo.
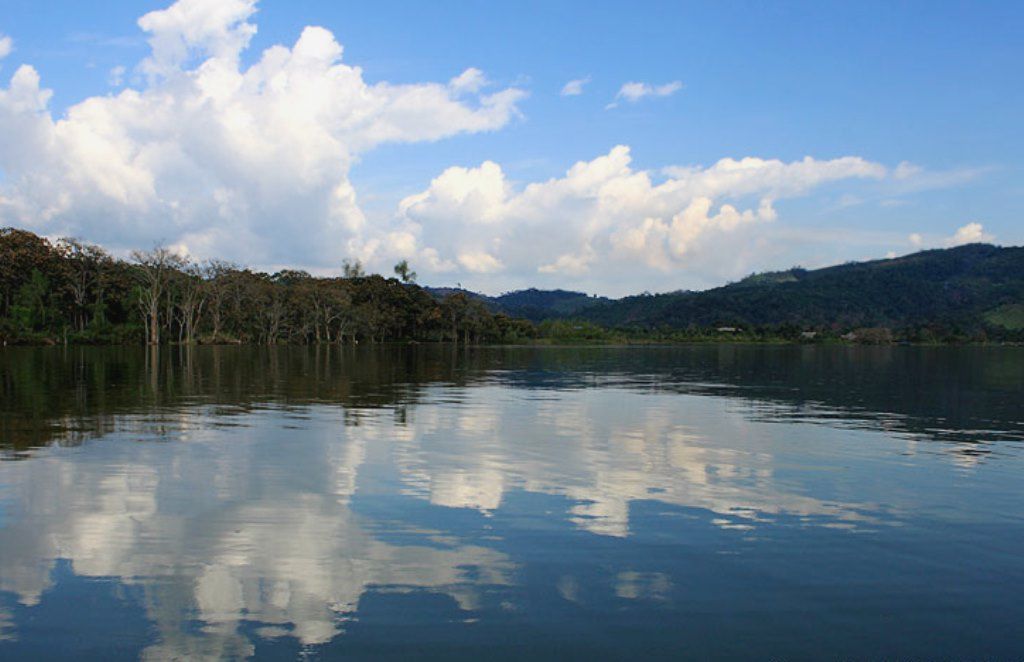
<point x="708" y="501"/>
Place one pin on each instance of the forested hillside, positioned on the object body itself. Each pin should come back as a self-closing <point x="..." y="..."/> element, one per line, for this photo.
<point x="968" y="290"/>
<point x="538" y="305"/>
<point x="69" y="291"/>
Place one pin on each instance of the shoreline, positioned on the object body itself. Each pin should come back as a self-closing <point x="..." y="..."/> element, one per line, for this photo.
<point x="541" y="343"/>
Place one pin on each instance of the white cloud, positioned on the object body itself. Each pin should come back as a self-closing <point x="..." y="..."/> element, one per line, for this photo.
<point x="251" y="163"/>
<point x="972" y="233"/>
<point x="247" y="163"/>
<point x="575" y="87"/>
<point x="6" y="46"/>
<point x="750" y="175"/>
<point x="116" y="76"/>
<point x="910" y="178"/>
<point x="479" y="262"/>
<point x="604" y="219"/>
<point x="634" y="91"/>
<point x="214" y="28"/>
<point x="469" y="81"/>
<point x="573" y="265"/>
<point x="906" y="170"/>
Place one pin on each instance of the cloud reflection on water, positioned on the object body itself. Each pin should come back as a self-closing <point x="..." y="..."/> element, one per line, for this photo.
<point x="277" y="520"/>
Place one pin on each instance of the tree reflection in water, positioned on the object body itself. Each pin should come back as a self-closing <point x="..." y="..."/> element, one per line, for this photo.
<point x="245" y="496"/>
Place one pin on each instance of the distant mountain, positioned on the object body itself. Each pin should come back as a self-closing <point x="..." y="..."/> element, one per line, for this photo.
<point x="969" y="288"/>
<point x="537" y="305"/>
<point x="531" y="304"/>
<point x="442" y="292"/>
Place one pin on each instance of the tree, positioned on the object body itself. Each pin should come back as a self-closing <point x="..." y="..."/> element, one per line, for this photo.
<point x="52" y="289"/>
<point x="192" y="293"/>
<point x="404" y="273"/>
<point x="216" y="276"/>
<point x="154" y="270"/>
<point x="454" y="309"/>
<point x="86" y="264"/>
<point x="353" y="269"/>
<point x="245" y="319"/>
<point x="21" y="252"/>
<point x="333" y="304"/>
<point x="29" y="308"/>
<point x="273" y="310"/>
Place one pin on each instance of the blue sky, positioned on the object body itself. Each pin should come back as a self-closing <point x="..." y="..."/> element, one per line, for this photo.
<point x="933" y="86"/>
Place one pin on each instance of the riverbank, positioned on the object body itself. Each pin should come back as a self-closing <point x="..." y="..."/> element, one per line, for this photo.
<point x="547" y="342"/>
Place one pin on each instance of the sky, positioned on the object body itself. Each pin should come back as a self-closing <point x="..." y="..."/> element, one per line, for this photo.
<point x="611" y="148"/>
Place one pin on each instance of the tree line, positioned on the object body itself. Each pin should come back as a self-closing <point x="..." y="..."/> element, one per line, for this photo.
<point x="69" y="291"/>
<point x="972" y="293"/>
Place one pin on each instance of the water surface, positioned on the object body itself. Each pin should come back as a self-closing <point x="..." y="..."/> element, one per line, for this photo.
<point x="705" y="501"/>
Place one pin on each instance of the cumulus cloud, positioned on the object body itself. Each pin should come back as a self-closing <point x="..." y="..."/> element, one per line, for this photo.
<point x="633" y="91"/>
<point x="6" y="46"/>
<point x="251" y="162"/>
<point x="216" y="28"/>
<point x="603" y="215"/>
<point x="248" y="163"/>
<point x="479" y="262"/>
<point x="972" y="233"/>
<point x="469" y="81"/>
<point x="575" y="87"/>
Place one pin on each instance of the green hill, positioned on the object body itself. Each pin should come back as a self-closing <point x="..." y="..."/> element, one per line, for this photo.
<point x="536" y="305"/>
<point x="967" y="289"/>
<point x="532" y="304"/>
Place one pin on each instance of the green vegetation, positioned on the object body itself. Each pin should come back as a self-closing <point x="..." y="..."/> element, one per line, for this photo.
<point x="968" y="293"/>
<point x="532" y="304"/>
<point x="577" y="331"/>
<point x="71" y="292"/>
<point x="1009" y="316"/>
<point x="538" y="305"/>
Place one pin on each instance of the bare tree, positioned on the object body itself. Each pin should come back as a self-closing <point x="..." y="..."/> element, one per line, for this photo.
<point x="216" y="277"/>
<point x="191" y="300"/>
<point x="337" y="312"/>
<point x="273" y="309"/>
<point x="154" y="271"/>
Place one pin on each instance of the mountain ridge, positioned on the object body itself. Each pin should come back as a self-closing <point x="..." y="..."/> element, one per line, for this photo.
<point x="969" y="287"/>
<point x="531" y="303"/>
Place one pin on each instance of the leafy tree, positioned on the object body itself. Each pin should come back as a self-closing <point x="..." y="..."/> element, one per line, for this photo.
<point x="404" y="273"/>
<point x="86" y="265"/>
<point x="454" y="309"/>
<point x="30" y="308"/>
<point x="72" y="291"/>
<point x="21" y="253"/>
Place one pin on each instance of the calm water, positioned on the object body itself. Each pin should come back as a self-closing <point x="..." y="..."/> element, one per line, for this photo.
<point x="727" y="502"/>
